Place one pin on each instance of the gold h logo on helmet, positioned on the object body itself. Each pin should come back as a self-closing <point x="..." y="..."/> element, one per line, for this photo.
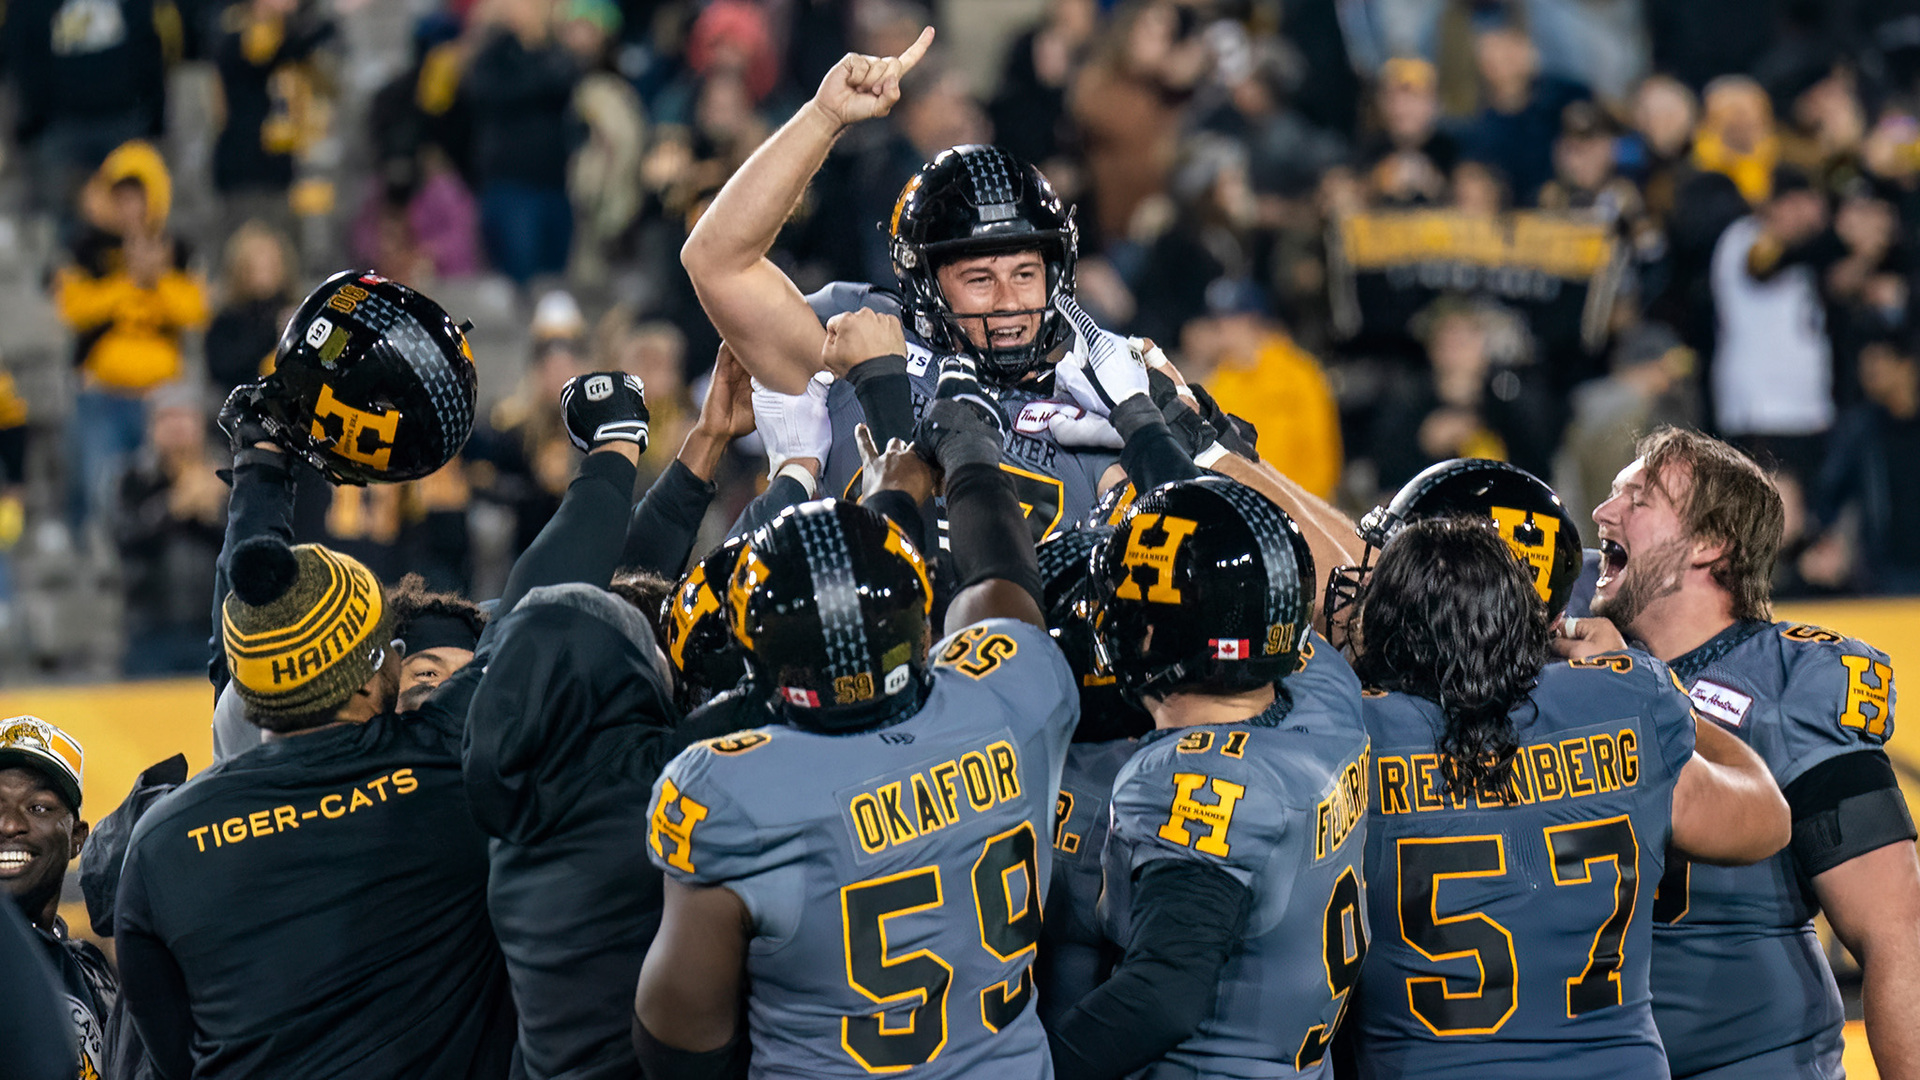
<point x="748" y="573"/>
<point x="695" y="601"/>
<point x="1531" y="536"/>
<point x="354" y="424"/>
<point x="1153" y="543"/>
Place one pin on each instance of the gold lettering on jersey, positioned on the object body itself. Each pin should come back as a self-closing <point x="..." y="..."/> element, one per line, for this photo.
<point x="1596" y="764"/>
<point x="1869" y="695"/>
<point x="1151" y="545"/>
<point x="1343" y="808"/>
<point x="929" y="799"/>
<point x="1393" y="786"/>
<point x="354" y="423"/>
<point x="278" y="819"/>
<point x="1810" y="632"/>
<point x="926" y="811"/>
<point x="1195" y="742"/>
<point x="866" y="824"/>
<point x="1579" y="780"/>
<point x="673" y="821"/>
<point x="1531" y="536"/>
<point x="1217" y="816"/>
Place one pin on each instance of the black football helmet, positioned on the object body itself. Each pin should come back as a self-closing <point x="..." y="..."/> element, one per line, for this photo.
<point x="372" y="382"/>
<point x="705" y="658"/>
<point x="980" y="200"/>
<point x="1531" y="518"/>
<point x="1066" y="563"/>
<point x="1112" y="504"/>
<point x="831" y="602"/>
<point x="1213" y="570"/>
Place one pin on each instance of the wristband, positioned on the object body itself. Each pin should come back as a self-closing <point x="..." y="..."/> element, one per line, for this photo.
<point x="801" y="475"/>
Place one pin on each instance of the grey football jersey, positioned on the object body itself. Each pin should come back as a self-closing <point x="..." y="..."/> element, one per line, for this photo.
<point x="1739" y="980"/>
<point x="1282" y="808"/>
<point x="1075" y="955"/>
<point x="895" y="877"/>
<point x="1057" y="485"/>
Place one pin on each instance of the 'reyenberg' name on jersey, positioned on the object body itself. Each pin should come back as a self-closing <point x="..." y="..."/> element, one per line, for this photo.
<point x="902" y="809"/>
<point x="1570" y="768"/>
<point x="331" y="807"/>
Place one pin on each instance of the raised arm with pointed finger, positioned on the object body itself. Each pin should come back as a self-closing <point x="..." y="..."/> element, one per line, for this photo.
<point x="753" y="304"/>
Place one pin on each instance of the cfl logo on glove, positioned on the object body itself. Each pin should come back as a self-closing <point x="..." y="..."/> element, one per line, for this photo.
<point x="599" y="388"/>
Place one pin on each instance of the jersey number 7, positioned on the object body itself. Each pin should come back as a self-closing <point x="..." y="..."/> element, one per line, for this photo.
<point x="922" y="977"/>
<point x="1447" y="1009"/>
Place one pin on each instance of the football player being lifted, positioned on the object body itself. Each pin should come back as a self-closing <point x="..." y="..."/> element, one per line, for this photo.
<point x="869" y="872"/>
<point x="1521" y="812"/>
<point x="1741" y="987"/>
<point x="984" y="251"/>
<point x="1232" y="862"/>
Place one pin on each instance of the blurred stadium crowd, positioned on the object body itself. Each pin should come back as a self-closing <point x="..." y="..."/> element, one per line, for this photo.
<point x="1387" y="232"/>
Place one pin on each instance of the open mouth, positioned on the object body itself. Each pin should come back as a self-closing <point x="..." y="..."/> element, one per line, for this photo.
<point x="1613" y="561"/>
<point x="13" y="862"/>
<point x="1007" y="337"/>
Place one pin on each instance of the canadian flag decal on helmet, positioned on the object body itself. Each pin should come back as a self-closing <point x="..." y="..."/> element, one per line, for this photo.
<point x="1230" y="648"/>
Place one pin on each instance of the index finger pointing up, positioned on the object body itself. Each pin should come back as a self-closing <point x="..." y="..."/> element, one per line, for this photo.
<point x="916" y="50"/>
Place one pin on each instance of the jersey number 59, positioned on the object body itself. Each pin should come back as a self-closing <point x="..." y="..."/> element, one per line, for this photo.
<point x="922" y="977"/>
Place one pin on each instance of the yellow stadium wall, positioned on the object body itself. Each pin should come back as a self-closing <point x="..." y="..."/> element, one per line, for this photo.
<point x="125" y="727"/>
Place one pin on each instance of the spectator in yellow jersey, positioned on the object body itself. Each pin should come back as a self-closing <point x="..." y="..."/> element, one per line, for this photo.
<point x="127" y="297"/>
<point x="1256" y="371"/>
<point x="13" y="481"/>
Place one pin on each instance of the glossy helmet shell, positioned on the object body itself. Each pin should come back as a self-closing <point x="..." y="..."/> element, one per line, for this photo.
<point x="1066" y="564"/>
<point x="1530" y="517"/>
<point x="1214" y="571"/>
<point x="701" y="647"/>
<point x="372" y="382"/>
<point x="832" y="603"/>
<point x="980" y="200"/>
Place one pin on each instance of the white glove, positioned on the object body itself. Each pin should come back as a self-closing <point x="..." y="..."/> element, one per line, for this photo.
<point x="1103" y="369"/>
<point x="1077" y="429"/>
<point x="793" y="425"/>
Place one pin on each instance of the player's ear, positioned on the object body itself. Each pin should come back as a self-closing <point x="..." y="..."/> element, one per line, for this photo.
<point x="80" y="832"/>
<point x="1708" y="552"/>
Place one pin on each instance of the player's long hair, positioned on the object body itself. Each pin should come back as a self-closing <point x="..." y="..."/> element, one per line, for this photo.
<point x="1451" y="616"/>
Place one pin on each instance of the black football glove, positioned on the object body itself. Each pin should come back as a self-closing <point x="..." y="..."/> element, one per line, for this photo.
<point x="964" y="425"/>
<point x="245" y="420"/>
<point x="604" y="407"/>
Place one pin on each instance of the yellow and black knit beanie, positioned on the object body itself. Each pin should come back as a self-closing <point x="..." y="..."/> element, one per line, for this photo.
<point x="303" y="628"/>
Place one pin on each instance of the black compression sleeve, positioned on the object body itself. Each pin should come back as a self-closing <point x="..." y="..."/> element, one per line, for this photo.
<point x="986" y="530"/>
<point x="1845" y="807"/>
<point x="1186" y="918"/>
<point x="1152" y="455"/>
<point x="660" y="535"/>
<point x="658" y="1061"/>
<point x="581" y="542"/>
<point x="886" y="397"/>
<point x="899" y="508"/>
<point x="261" y="505"/>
